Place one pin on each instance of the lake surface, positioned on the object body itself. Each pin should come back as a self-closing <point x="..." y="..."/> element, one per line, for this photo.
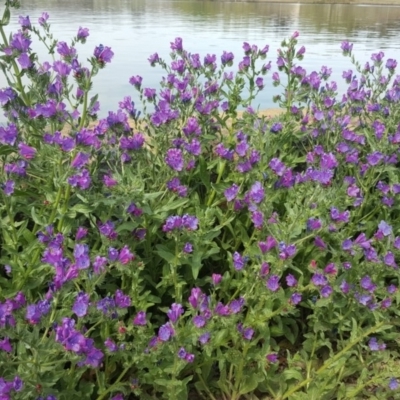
<point x="135" y="29"/>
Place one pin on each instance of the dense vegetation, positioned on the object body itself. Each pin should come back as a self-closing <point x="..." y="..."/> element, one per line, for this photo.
<point x="192" y="250"/>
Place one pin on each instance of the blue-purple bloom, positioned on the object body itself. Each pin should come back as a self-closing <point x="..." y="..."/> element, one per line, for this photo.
<point x="140" y="319"/>
<point x="238" y="261"/>
<point x="81" y="304"/>
<point x="175" y="312"/>
<point x="273" y="283"/>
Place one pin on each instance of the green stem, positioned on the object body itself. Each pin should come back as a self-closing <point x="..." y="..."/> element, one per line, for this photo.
<point x="111" y="388"/>
<point x="65" y="207"/>
<point x="55" y="207"/>
<point x="16" y="70"/>
<point x="220" y="173"/>
<point x="331" y="361"/>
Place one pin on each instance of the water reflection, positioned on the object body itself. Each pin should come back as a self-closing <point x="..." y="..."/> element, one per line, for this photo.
<point x="137" y="28"/>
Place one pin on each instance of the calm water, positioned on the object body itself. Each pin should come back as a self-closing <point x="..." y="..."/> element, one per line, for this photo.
<point x="135" y="29"/>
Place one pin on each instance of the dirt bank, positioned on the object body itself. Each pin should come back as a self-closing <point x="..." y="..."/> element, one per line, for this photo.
<point x="354" y="2"/>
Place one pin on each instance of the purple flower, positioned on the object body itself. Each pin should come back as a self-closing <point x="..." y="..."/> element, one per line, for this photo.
<point x="122" y="300"/>
<point x="238" y="261"/>
<point x="103" y="54"/>
<point x="43" y="19"/>
<point x="24" y="61"/>
<point x="367" y="284"/>
<point x="319" y="279"/>
<point x="136" y="81"/>
<point x="216" y="279"/>
<point x="273" y="283"/>
<point x="93" y="358"/>
<point x="196" y="297"/>
<point x="177" y="45"/>
<point x="81" y="233"/>
<point x="99" y="264"/>
<point x="222" y="310"/>
<point x="346" y="47"/>
<point x="320" y="243"/>
<point x="5" y="345"/>
<point x="82" y="34"/>
<point x="106" y="306"/>
<point x="272" y="357"/>
<point x="276" y="127"/>
<point x="391" y="64"/>
<point x="109" y="181"/>
<point x="107" y="230"/>
<point x="26" y="151"/>
<point x="375" y="346"/>
<point x="199" y="321"/>
<point x="171" y="223"/>
<point x="80" y="160"/>
<point x="140" y="319"/>
<point x="34" y="312"/>
<point x="174" y="159"/>
<point x="257" y="193"/>
<point x="165" y="332"/>
<point x="291" y="280"/>
<point x="295" y="298"/>
<point x="326" y="291"/>
<point x="260" y="83"/>
<point x="190" y="222"/>
<point x="188" y="248"/>
<point x="134" y="210"/>
<point x="269" y="244"/>
<point x="247" y="333"/>
<point x="313" y="224"/>
<point x="204" y="338"/>
<point x="231" y="192"/>
<point x="65" y="51"/>
<point x="235" y="306"/>
<point x="125" y="255"/>
<point x="393" y="384"/>
<point x="175" y="312"/>
<point x="8" y="187"/>
<point x="110" y="344"/>
<point x="81" y="304"/>
<point x="385" y="228"/>
<point x="81" y="180"/>
<point x="153" y="59"/>
<point x="81" y="254"/>
<point x="258" y="219"/>
<point x="25" y="22"/>
<point x="227" y="58"/>
<point x="182" y="353"/>
<point x="286" y="251"/>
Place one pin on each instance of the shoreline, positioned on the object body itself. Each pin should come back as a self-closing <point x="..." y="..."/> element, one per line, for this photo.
<point x="325" y="2"/>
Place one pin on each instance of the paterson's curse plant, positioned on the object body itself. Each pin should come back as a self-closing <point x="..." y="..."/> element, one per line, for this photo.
<point x="197" y="249"/>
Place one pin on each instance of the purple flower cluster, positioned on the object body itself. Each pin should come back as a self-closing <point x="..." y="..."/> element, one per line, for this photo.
<point x="188" y="222"/>
<point x="75" y="341"/>
<point x="6" y="387"/>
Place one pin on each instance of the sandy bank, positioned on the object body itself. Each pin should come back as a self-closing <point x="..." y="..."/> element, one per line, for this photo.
<point x="332" y="2"/>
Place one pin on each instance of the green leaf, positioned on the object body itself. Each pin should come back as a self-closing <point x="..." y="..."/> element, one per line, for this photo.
<point x="82" y="208"/>
<point x="250" y="383"/>
<point x="6" y="150"/>
<point x="126" y="226"/>
<point x="38" y="220"/>
<point x="196" y="264"/>
<point x="173" y="205"/>
<point x="289" y="374"/>
<point x="204" y="174"/>
<point x="164" y="253"/>
<point x="6" y="17"/>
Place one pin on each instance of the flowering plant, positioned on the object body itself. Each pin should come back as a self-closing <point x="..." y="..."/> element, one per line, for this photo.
<point x="195" y="247"/>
